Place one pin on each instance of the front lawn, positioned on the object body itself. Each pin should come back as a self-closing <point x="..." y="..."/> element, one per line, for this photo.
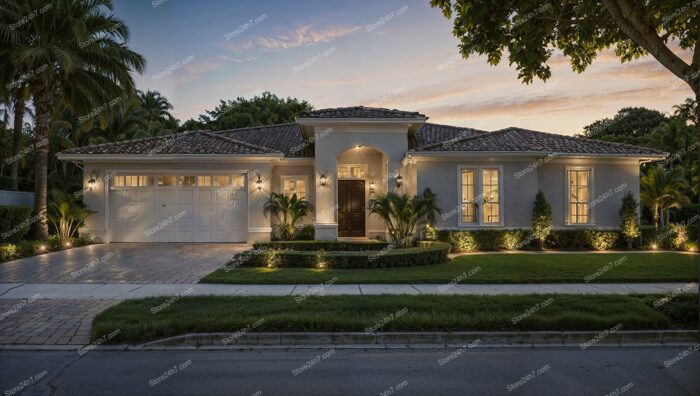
<point x="492" y="268"/>
<point x="136" y="322"/>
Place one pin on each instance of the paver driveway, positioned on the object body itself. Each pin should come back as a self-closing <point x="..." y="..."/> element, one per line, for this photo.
<point x="122" y="263"/>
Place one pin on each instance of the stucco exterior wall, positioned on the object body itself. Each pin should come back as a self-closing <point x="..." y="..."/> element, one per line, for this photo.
<point x="97" y="199"/>
<point x="443" y="178"/>
<point x="294" y="170"/>
<point x="611" y="181"/>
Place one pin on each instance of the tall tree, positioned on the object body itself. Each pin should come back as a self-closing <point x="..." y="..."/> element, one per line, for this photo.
<point x="73" y="51"/>
<point x="629" y="125"/>
<point x="687" y="111"/>
<point x="662" y="190"/>
<point x="676" y="138"/>
<point x="264" y="109"/>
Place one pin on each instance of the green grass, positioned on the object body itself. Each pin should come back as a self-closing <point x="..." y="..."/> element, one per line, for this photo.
<point x="493" y="268"/>
<point x="137" y="323"/>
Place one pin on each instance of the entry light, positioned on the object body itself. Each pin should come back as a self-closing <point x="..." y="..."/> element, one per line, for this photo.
<point x="258" y="183"/>
<point x="93" y="179"/>
<point x="372" y="187"/>
<point x="399" y="180"/>
<point x="323" y="180"/>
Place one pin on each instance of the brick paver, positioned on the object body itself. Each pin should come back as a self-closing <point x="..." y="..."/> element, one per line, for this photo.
<point x="62" y="322"/>
<point x="122" y="263"/>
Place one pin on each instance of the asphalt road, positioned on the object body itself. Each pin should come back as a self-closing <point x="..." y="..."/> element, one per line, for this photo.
<point x="595" y="371"/>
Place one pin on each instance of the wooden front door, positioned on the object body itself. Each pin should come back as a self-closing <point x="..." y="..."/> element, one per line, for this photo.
<point x="351" y="208"/>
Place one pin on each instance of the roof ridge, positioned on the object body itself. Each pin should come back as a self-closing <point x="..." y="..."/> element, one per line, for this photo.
<point x="579" y="138"/>
<point x="240" y="142"/>
<point x="455" y="126"/>
<point x="254" y="127"/>
<point x="462" y="139"/>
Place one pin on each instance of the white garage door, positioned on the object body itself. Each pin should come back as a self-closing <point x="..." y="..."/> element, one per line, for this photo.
<point x="178" y="208"/>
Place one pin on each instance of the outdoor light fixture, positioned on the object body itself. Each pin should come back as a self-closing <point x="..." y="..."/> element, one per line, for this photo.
<point x="258" y="183"/>
<point x="399" y="180"/>
<point x="372" y="187"/>
<point x="67" y="244"/>
<point x="93" y="179"/>
<point x="323" y="180"/>
<point x="654" y="246"/>
<point x="42" y="248"/>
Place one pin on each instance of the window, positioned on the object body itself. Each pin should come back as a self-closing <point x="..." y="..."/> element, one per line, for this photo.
<point x="204" y="181"/>
<point x="354" y="171"/>
<point x="579" y="192"/>
<point x="491" y="195"/>
<point x="480" y="196"/>
<point x="468" y="196"/>
<point x="294" y="185"/>
<point x="132" y="181"/>
<point x="237" y="180"/>
<point x="187" y="181"/>
<point x="166" y="181"/>
<point x="221" y="181"/>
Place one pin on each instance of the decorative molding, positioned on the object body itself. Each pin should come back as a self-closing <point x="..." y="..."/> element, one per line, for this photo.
<point x="259" y="229"/>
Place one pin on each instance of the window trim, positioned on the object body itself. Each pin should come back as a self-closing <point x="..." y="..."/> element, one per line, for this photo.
<point x="479" y="190"/>
<point x="305" y="178"/>
<point x="591" y="193"/>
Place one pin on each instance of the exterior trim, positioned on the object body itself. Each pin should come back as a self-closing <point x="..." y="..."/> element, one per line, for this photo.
<point x="167" y="157"/>
<point x="259" y="229"/>
<point x="479" y="188"/>
<point x="433" y="154"/>
<point x="591" y="193"/>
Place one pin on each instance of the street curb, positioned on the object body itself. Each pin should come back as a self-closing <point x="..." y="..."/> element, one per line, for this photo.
<point x="532" y="339"/>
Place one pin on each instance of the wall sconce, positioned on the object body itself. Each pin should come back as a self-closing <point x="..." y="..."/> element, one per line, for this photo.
<point x="399" y="181"/>
<point x="258" y="182"/>
<point x="323" y="180"/>
<point x="372" y="187"/>
<point x="93" y="179"/>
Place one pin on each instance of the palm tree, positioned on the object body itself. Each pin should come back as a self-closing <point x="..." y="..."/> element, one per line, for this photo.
<point x="289" y="210"/>
<point x="676" y="138"/>
<point x="72" y="52"/>
<point x="662" y="191"/>
<point x="402" y="214"/>
<point x="157" y="113"/>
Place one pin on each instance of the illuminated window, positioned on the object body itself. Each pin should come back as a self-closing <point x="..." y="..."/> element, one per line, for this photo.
<point x="204" y="181"/>
<point x="468" y="196"/>
<point x="579" y="191"/>
<point x="132" y="181"/>
<point x="490" y="191"/>
<point x="294" y="185"/>
<point x="145" y="181"/>
<point x="166" y="181"/>
<point x="352" y="171"/>
<point x="237" y="180"/>
<point x="221" y="181"/>
<point x="187" y="181"/>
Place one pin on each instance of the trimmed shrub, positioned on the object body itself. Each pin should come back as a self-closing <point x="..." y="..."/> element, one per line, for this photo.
<point x="304" y="233"/>
<point x="666" y="238"/>
<point x="541" y="218"/>
<point x="602" y="240"/>
<point x="428" y="253"/>
<point x="629" y="222"/>
<point x="486" y="240"/>
<point x="8" y="252"/>
<point x="14" y="222"/>
<point x="322" y="245"/>
<point x="567" y="239"/>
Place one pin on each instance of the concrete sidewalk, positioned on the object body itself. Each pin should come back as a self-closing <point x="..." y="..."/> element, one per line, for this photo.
<point x="102" y="291"/>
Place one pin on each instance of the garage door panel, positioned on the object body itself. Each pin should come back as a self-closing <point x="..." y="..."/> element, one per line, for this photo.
<point x="179" y="213"/>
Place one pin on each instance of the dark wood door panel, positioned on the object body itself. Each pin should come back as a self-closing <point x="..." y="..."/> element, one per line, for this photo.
<point x="351" y="208"/>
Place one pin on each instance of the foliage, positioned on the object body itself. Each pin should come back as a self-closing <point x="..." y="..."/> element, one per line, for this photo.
<point x="304" y="232"/>
<point x="463" y="241"/>
<point x="661" y="191"/>
<point x="15" y="222"/>
<point x="687" y="111"/>
<point x="331" y="246"/>
<point x="65" y="214"/>
<point x="289" y="210"/>
<point x="8" y="252"/>
<point x="541" y="218"/>
<point x="676" y="138"/>
<point x="26" y="248"/>
<point x="264" y="109"/>
<point x="630" y="125"/>
<point x="429" y="253"/>
<point x="602" y="240"/>
<point x="680" y="235"/>
<point x="629" y="219"/>
<point x="402" y="214"/>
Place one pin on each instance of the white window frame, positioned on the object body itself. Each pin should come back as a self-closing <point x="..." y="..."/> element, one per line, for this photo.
<point x="567" y="196"/>
<point x="479" y="190"/>
<point x="364" y="166"/>
<point x="305" y="178"/>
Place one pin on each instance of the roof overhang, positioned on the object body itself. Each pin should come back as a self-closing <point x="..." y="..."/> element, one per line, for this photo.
<point x="483" y="154"/>
<point x="168" y="157"/>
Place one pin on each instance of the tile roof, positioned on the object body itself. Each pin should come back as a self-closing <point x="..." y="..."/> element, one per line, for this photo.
<point x="361" y="112"/>
<point x="523" y="140"/>
<point x="192" y="142"/>
<point x="433" y="133"/>
<point x="286" y="138"/>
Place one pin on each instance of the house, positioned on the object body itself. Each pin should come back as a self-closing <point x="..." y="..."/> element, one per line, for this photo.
<point x="204" y="186"/>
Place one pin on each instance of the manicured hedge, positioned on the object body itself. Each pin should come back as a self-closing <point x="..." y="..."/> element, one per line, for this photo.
<point x="14" y="222"/>
<point x="522" y="239"/>
<point x="427" y="253"/>
<point x="329" y="246"/>
<point x="26" y="248"/>
<point x="668" y="237"/>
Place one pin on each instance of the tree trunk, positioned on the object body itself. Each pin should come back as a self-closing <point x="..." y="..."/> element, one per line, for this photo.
<point x="20" y="106"/>
<point x="44" y="107"/>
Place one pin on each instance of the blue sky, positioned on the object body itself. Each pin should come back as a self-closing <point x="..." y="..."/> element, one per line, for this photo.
<point x="397" y="54"/>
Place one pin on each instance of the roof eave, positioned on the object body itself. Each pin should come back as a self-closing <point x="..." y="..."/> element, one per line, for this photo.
<point x="329" y="120"/>
<point x="166" y="157"/>
<point x="428" y="154"/>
